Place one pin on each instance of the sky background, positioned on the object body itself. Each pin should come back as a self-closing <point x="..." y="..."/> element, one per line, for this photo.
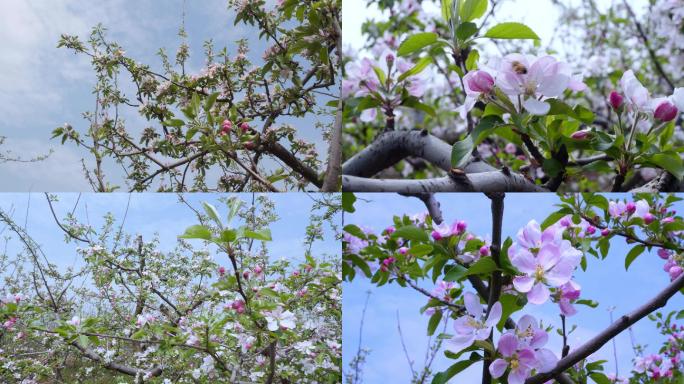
<point x="43" y="87"/>
<point x="606" y="282"/>
<point x="158" y="214"/>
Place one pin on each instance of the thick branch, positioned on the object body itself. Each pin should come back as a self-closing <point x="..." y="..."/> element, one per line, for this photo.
<point x="496" y="181"/>
<point x="116" y="366"/>
<point x="431" y="204"/>
<point x="609" y="333"/>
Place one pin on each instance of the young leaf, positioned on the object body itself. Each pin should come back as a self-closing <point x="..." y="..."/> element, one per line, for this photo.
<point x="473" y="9"/>
<point x="262" y="234"/>
<point x="511" y="31"/>
<point x="461" y="152"/>
<point x="197" y="232"/>
<point x="633" y="254"/>
<point x="434" y="322"/>
<point x="410" y="232"/>
<point x="418" y="68"/>
<point x="416" y="42"/>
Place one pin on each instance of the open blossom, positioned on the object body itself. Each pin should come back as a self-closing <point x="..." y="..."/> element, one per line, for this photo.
<point x="636" y="94"/>
<point x="568" y="293"/>
<point x="523" y="351"/>
<point x="473" y="326"/>
<point x="75" y="321"/>
<point x="145" y="319"/>
<point x="544" y="258"/>
<point x="534" y="78"/>
<point x="445" y="230"/>
<point x="643" y="211"/>
<point x="442" y="289"/>
<point x="279" y="319"/>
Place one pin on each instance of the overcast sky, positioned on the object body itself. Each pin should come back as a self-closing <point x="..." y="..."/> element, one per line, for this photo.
<point x="43" y="87"/>
<point x="605" y="281"/>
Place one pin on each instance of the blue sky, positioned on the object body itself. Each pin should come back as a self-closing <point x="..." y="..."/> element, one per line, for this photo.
<point x="158" y="214"/>
<point x="43" y="87"/>
<point x="606" y="282"/>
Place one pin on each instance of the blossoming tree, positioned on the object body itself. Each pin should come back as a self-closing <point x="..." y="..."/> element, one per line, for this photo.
<point x="432" y="106"/>
<point x="133" y="313"/>
<point x="486" y="290"/>
<point x="233" y="125"/>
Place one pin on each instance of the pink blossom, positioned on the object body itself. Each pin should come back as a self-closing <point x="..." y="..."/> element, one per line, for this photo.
<point x="442" y="289"/>
<point x="590" y="230"/>
<point x="221" y="271"/>
<point x="226" y="127"/>
<point x="637" y="95"/>
<point x="484" y="250"/>
<point x="473" y="326"/>
<point x="390" y="230"/>
<point x="675" y="272"/>
<point x="244" y="127"/>
<point x="386" y="263"/>
<point x="615" y="100"/>
<point x="642" y="210"/>
<point x="605" y="232"/>
<point x="568" y="293"/>
<point x="238" y="306"/>
<point x="403" y="250"/>
<point x="511" y="149"/>
<point x="544" y="258"/>
<point x="617" y="209"/>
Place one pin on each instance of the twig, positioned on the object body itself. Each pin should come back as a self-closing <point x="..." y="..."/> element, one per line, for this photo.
<point x="624" y="322"/>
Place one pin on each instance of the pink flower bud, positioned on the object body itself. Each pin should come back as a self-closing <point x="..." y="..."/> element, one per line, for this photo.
<point x="590" y="230"/>
<point x="226" y="127"/>
<point x="461" y="227"/>
<point x="665" y="111"/>
<point x="390" y="230"/>
<point x="436" y="236"/>
<point x="511" y="149"/>
<point x="480" y="81"/>
<point x="615" y="100"/>
<point x="484" y="251"/>
<point x="245" y="274"/>
<point x="668" y="220"/>
<point x="244" y="127"/>
<point x="221" y="271"/>
<point x="249" y="145"/>
<point x="308" y="268"/>
<point x="663" y="253"/>
<point x="565" y="222"/>
<point x="257" y="270"/>
<point x="295" y="273"/>
<point x="605" y="232"/>
<point x="580" y="135"/>
<point x="675" y="272"/>
<point x="630" y="207"/>
<point x="403" y="250"/>
<point x="648" y="218"/>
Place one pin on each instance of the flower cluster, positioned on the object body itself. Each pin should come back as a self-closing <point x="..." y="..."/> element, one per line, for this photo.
<point x="638" y="100"/>
<point x="522" y="350"/>
<point x="526" y="78"/>
<point x="545" y="260"/>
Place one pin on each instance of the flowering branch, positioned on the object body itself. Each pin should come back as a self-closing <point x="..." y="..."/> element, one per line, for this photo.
<point x="624" y="322"/>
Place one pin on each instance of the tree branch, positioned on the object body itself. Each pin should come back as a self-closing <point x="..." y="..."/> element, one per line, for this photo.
<point x="610" y="332"/>
<point x="496" y="181"/>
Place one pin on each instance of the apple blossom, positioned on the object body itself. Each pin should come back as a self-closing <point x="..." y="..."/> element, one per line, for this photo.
<point x="581" y="134"/>
<point x="279" y="319"/>
<point x="636" y="94"/>
<point x="473" y="326"/>
<point x="544" y="258"/>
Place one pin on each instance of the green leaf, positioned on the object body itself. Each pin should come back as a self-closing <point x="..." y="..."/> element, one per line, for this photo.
<point x="210" y="101"/>
<point x="457" y="272"/>
<point x="600" y="378"/>
<point x="83" y="341"/>
<point x="434" y="322"/>
<point x="552" y="167"/>
<point x="418" y="68"/>
<point x="197" y="232"/>
<point x="262" y="234"/>
<point x="471" y="61"/>
<point x="680" y="315"/>
<point x="485" y="128"/>
<point x="228" y="236"/>
<point x="465" y="30"/>
<point x="588" y="303"/>
<point x="416" y="42"/>
<point x="419" y="250"/>
<point x="348" y="200"/>
<point x="462" y="152"/>
<point x="509" y="305"/>
<point x="354" y="231"/>
<point x="234" y="205"/>
<point x="446" y="9"/>
<point x="511" y="31"/>
<point x="212" y="213"/>
<point x="669" y="161"/>
<point x="484" y="265"/>
<point x="174" y="123"/>
<point x="411" y="232"/>
<point x="444" y="377"/>
<point x="552" y="219"/>
<point x="473" y="9"/>
<point x="633" y="254"/>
